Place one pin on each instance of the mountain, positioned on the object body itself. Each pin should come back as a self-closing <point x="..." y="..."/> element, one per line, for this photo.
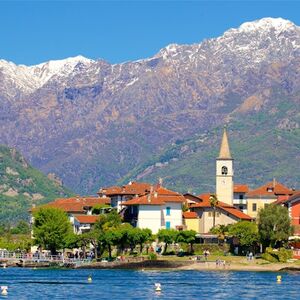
<point x="94" y="123"/>
<point x="21" y="186"/>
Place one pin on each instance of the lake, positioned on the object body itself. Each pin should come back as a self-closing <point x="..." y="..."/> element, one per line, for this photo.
<point x="129" y="284"/>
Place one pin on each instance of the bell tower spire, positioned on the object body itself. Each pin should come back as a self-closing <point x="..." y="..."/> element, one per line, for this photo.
<point x="224" y="149"/>
<point x="224" y="172"/>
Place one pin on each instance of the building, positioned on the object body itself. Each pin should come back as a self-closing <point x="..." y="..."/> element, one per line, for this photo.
<point x="264" y="195"/>
<point x="120" y="194"/>
<point x="79" y="210"/>
<point x="239" y="197"/>
<point x="203" y="216"/>
<point x="159" y="208"/>
<point x="293" y="205"/>
<point x="224" y="172"/>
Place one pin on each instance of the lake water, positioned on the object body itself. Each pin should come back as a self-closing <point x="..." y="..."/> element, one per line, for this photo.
<point x="128" y="284"/>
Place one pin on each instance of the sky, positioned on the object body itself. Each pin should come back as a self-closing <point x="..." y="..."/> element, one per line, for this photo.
<point x="32" y="32"/>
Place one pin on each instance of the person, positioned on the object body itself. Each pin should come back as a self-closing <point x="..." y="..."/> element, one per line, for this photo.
<point x="250" y="256"/>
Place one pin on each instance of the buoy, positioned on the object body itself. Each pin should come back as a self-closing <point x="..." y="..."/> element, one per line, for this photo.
<point x="4" y="290"/>
<point x="157" y="287"/>
<point x="278" y="278"/>
<point x="90" y="278"/>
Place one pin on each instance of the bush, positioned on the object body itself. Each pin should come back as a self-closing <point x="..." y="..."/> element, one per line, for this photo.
<point x="280" y="255"/>
<point x="152" y="256"/>
<point x="269" y="257"/>
<point x="213" y="249"/>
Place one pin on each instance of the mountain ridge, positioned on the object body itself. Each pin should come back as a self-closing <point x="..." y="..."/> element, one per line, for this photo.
<point x="105" y="120"/>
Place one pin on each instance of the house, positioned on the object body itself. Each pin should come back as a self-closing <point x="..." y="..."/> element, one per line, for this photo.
<point x="120" y="194"/>
<point x="264" y="195"/>
<point x="84" y="223"/>
<point x="205" y="216"/>
<point x="79" y="210"/>
<point x="159" y="208"/>
<point x="191" y="220"/>
<point x="239" y="196"/>
<point x="293" y="205"/>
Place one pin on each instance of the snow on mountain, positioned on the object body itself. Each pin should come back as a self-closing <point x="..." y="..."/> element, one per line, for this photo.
<point x="29" y="78"/>
<point x="79" y="113"/>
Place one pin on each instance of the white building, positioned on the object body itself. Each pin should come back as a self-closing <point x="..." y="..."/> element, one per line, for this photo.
<point x="160" y="208"/>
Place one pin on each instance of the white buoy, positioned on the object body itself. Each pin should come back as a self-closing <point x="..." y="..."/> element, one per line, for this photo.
<point x="4" y="289"/>
<point x="157" y="287"/>
<point x="90" y="278"/>
<point x="278" y="278"/>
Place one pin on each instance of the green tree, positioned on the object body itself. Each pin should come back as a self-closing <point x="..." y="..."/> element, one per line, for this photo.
<point x="168" y="236"/>
<point x="107" y="230"/>
<point x="245" y="231"/>
<point x="221" y="230"/>
<point x="51" y="228"/>
<point x="139" y="236"/>
<point x="274" y="225"/>
<point x="188" y="237"/>
<point x="213" y="200"/>
<point x="21" y="228"/>
<point x="100" y="208"/>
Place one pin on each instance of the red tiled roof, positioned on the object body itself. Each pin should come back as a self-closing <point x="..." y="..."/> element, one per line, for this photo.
<point x="221" y="205"/>
<point x="235" y="212"/>
<point x="295" y="196"/>
<point x="270" y="189"/>
<point x="77" y="204"/>
<point x="133" y="188"/>
<point x="281" y="199"/>
<point x="240" y="188"/>
<point x="84" y="219"/>
<point x="158" y="197"/>
<point x="190" y="215"/>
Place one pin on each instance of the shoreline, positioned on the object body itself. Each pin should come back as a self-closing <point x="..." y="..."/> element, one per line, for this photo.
<point x="171" y="265"/>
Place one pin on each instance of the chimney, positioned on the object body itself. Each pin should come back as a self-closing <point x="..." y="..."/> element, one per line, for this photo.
<point x="151" y="189"/>
<point x="274" y="182"/>
<point x="155" y="194"/>
<point x="160" y="181"/>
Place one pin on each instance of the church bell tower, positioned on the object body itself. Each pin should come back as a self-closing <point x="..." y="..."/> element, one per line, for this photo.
<point x="224" y="172"/>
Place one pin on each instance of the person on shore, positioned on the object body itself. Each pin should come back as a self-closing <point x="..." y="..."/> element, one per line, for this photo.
<point x="250" y="256"/>
<point x="206" y="253"/>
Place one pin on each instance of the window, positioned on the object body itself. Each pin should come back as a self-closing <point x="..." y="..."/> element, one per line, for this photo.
<point x="224" y="170"/>
<point x="241" y="197"/>
<point x="254" y="207"/>
<point x="168" y="225"/>
<point x="168" y="211"/>
<point x="210" y="214"/>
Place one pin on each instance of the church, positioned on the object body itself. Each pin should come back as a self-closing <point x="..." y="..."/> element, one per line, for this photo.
<point x="210" y="210"/>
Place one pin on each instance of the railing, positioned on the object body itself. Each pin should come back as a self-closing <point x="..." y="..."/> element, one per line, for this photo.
<point x="39" y="257"/>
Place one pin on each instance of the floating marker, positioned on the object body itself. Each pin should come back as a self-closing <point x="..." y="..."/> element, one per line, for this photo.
<point x="90" y="278"/>
<point x="157" y="287"/>
<point x="278" y="278"/>
<point x="4" y="289"/>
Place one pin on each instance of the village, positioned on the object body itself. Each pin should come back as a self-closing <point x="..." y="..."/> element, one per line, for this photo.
<point x="154" y="207"/>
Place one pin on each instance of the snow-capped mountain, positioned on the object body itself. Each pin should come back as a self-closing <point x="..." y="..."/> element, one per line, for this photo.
<point x="104" y="119"/>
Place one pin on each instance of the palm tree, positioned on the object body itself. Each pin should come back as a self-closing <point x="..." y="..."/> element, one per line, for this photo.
<point x="213" y="200"/>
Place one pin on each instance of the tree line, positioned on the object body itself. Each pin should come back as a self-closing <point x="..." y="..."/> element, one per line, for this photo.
<point x="53" y="231"/>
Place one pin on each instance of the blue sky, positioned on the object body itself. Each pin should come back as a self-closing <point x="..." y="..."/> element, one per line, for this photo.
<point x="36" y="31"/>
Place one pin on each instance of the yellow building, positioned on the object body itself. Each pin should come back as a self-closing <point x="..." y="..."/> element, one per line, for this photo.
<point x="264" y="195"/>
<point x="191" y="221"/>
